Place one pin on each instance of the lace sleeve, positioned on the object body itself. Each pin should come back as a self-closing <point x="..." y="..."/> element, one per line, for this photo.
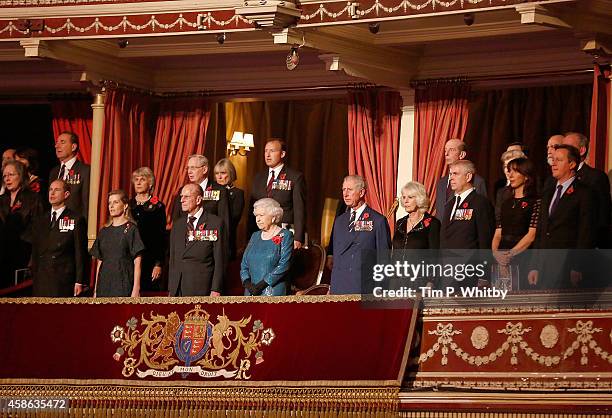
<point x="535" y="214"/>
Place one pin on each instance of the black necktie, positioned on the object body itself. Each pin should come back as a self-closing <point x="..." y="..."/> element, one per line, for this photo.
<point x="556" y="200"/>
<point x="62" y="172"/>
<point x="53" y="219"/>
<point x="190" y="228"/>
<point x="455" y="206"/>
<point x="269" y="187"/>
<point x="352" y="220"/>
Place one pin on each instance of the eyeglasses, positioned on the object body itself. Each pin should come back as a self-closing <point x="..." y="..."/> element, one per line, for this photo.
<point x="192" y="167"/>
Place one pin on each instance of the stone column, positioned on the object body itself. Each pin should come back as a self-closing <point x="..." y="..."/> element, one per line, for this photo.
<point x="96" y="159"/>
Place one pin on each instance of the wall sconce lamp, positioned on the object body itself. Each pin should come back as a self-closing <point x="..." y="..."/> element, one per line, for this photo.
<point x="240" y="144"/>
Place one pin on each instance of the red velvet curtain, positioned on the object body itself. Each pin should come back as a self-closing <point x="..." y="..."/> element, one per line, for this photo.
<point x="181" y="131"/>
<point x="600" y="118"/>
<point x="441" y="113"/>
<point x="74" y="115"/>
<point x="373" y="131"/>
<point x="126" y="144"/>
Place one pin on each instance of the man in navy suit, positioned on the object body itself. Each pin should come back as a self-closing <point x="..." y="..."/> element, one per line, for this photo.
<point x="359" y="228"/>
<point x="566" y="223"/>
<point x="454" y="150"/>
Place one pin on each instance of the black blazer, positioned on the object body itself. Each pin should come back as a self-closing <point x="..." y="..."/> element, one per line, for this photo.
<point x="196" y="267"/>
<point x="473" y="232"/>
<point x="571" y="224"/>
<point x="479" y="184"/>
<point x="236" y="204"/>
<point x="59" y="256"/>
<point x="78" y="178"/>
<point x="598" y="181"/>
<point x="293" y="201"/>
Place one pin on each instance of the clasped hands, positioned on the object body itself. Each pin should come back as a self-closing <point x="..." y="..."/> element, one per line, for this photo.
<point x="255" y="289"/>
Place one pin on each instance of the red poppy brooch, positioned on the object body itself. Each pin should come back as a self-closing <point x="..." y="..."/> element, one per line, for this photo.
<point x="365" y="216"/>
<point x="277" y="239"/>
<point x="155" y="200"/>
<point x="16" y="206"/>
<point x="465" y="205"/>
<point x="570" y="190"/>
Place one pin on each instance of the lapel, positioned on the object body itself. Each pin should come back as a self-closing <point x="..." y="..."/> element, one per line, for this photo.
<point x="467" y="200"/>
<point x="566" y="198"/>
<point x="352" y="236"/>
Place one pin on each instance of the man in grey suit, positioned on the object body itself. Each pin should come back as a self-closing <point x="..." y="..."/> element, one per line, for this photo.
<point x="196" y="248"/>
<point x="454" y="150"/>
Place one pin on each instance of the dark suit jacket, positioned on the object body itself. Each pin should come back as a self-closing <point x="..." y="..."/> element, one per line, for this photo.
<point x="598" y="181"/>
<point x="348" y="247"/>
<point x="571" y="224"/>
<point x="479" y="184"/>
<point x="219" y="208"/>
<point x="292" y="201"/>
<point x="236" y="204"/>
<point x="79" y="187"/>
<point x="473" y="233"/>
<point x="196" y="267"/>
<point x="59" y="259"/>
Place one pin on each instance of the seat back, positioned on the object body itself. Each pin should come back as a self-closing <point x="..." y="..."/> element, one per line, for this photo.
<point x="306" y="267"/>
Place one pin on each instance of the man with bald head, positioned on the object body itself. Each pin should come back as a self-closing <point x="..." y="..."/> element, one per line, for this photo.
<point x="598" y="181"/>
<point x="196" y="248"/>
<point x="454" y="150"/>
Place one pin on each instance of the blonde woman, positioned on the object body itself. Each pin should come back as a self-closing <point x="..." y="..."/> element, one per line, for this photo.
<point x="150" y="216"/>
<point x="118" y="249"/>
<point x="418" y="230"/>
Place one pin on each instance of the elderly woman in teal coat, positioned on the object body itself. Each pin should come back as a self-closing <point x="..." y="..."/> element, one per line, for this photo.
<point x="267" y="258"/>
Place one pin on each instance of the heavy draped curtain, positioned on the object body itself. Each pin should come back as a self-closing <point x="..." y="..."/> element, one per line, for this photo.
<point x="600" y="117"/>
<point x="126" y="143"/>
<point x="180" y="131"/>
<point x="74" y="115"/>
<point x="315" y="132"/>
<point x="530" y="115"/>
<point x="441" y="113"/>
<point x="373" y="133"/>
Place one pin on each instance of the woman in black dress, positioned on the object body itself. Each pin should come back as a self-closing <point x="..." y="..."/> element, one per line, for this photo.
<point x="225" y="175"/>
<point x="418" y="230"/>
<point x="150" y="216"/>
<point x="18" y="207"/>
<point x="518" y="218"/>
<point x="118" y="248"/>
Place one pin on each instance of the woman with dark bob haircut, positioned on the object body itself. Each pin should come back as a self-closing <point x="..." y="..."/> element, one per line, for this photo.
<point x="518" y="218"/>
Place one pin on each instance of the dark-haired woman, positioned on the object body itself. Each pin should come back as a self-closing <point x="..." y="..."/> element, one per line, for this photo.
<point x="518" y="218"/>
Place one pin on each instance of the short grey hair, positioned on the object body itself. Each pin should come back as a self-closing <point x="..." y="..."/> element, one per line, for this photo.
<point x="147" y="173"/>
<point x="202" y="160"/>
<point x="467" y="165"/>
<point x="583" y="140"/>
<point x="358" y="180"/>
<point x="422" y="200"/>
<point x="270" y="207"/>
<point x="511" y="155"/>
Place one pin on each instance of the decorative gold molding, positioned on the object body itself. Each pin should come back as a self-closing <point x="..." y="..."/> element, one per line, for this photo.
<point x="185" y="300"/>
<point x="584" y="341"/>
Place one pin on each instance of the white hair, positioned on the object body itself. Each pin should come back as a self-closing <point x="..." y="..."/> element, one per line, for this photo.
<point x="270" y="207"/>
<point x="202" y="160"/>
<point x="422" y="200"/>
